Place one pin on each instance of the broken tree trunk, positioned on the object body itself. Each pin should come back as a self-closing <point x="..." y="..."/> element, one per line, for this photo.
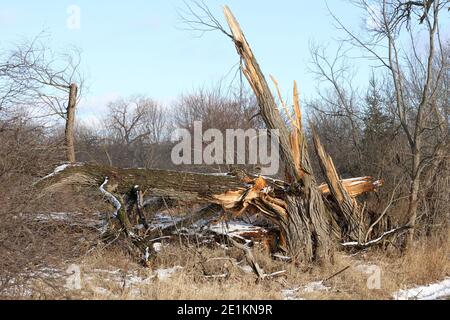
<point x="225" y="189"/>
<point x="306" y="223"/>
<point x="348" y="214"/>
<point x="125" y="188"/>
<point x="70" y="122"/>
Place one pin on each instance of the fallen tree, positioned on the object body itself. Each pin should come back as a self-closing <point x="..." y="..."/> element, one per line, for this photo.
<point x="311" y="218"/>
<point x="128" y="189"/>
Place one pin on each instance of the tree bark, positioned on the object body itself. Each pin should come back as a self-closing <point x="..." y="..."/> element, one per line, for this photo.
<point x="293" y="210"/>
<point x="413" y="201"/>
<point x="345" y="208"/>
<point x="306" y="226"/>
<point x="70" y="123"/>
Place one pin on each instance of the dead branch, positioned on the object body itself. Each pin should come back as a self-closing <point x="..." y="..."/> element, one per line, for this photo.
<point x="250" y="258"/>
<point x="357" y="245"/>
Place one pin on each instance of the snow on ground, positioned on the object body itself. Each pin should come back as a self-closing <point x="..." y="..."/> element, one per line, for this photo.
<point x="315" y="287"/>
<point x="163" y="221"/>
<point x="291" y="294"/>
<point x="432" y="291"/>
<point x="295" y="294"/>
<point x="130" y="280"/>
<point x="157" y="246"/>
<point x="234" y="228"/>
<point x="95" y="220"/>
<point x="164" y="274"/>
<point x="59" y="169"/>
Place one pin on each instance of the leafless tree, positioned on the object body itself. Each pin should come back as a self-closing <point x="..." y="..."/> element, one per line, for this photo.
<point x="389" y="22"/>
<point x="136" y="124"/>
<point x="216" y="108"/>
<point x="338" y="98"/>
<point x="46" y="82"/>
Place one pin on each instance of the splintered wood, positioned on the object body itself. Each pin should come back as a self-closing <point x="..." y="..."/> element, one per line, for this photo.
<point x="355" y="186"/>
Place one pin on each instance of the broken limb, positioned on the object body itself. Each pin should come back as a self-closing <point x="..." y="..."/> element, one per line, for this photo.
<point x="250" y="258"/>
<point x="358" y="245"/>
<point x="116" y="203"/>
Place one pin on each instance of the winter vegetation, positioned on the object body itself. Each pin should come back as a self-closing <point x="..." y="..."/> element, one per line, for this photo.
<point x="359" y="208"/>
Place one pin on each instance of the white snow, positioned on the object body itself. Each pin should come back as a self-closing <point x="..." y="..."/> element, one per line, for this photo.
<point x="164" y="274"/>
<point x="162" y="221"/>
<point x="281" y="257"/>
<point x="59" y="169"/>
<point x="315" y="287"/>
<point x="157" y="246"/>
<point x="131" y="280"/>
<point x="71" y="218"/>
<point x="233" y="228"/>
<point x="56" y="216"/>
<point x="430" y="292"/>
<point x="246" y="268"/>
<point x="293" y="294"/>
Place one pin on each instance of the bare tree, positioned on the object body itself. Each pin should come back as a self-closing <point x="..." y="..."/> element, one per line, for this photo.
<point x="339" y="99"/>
<point x="136" y="124"/>
<point x="389" y="23"/>
<point x="49" y="83"/>
<point x="217" y="108"/>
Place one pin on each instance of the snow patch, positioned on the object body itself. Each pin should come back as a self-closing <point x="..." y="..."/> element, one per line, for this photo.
<point x="162" y="221"/>
<point x="164" y="274"/>
<point x="157" y="246"/>
<point x="246" y="268"/>
<point x="433" y="291"/>
<point x="59" y="169"/>
<point x="234" y="228"/>
<point x="71" y="218"/>
<point x="293" y="294"/>
<point x="315" y="287"/>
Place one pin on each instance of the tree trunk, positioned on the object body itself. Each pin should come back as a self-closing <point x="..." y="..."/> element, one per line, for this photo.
<point x="413" y="201"/>
<point x="345" y="208"/>
<point x="70" y="123"/>
<point x="306" y="227"/>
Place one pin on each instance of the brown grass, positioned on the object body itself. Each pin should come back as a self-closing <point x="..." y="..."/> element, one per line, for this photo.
<point x="109" y="273"/>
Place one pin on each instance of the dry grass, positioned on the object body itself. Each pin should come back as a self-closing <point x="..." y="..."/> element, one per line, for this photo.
<point x="109" y="273"/>
<point x="427" y="262"/>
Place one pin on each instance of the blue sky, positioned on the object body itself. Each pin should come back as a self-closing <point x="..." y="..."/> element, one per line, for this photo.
<point x="138" y="47"/>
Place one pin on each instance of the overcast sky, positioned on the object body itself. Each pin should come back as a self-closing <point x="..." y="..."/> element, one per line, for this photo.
<point x="140" y="47"/>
